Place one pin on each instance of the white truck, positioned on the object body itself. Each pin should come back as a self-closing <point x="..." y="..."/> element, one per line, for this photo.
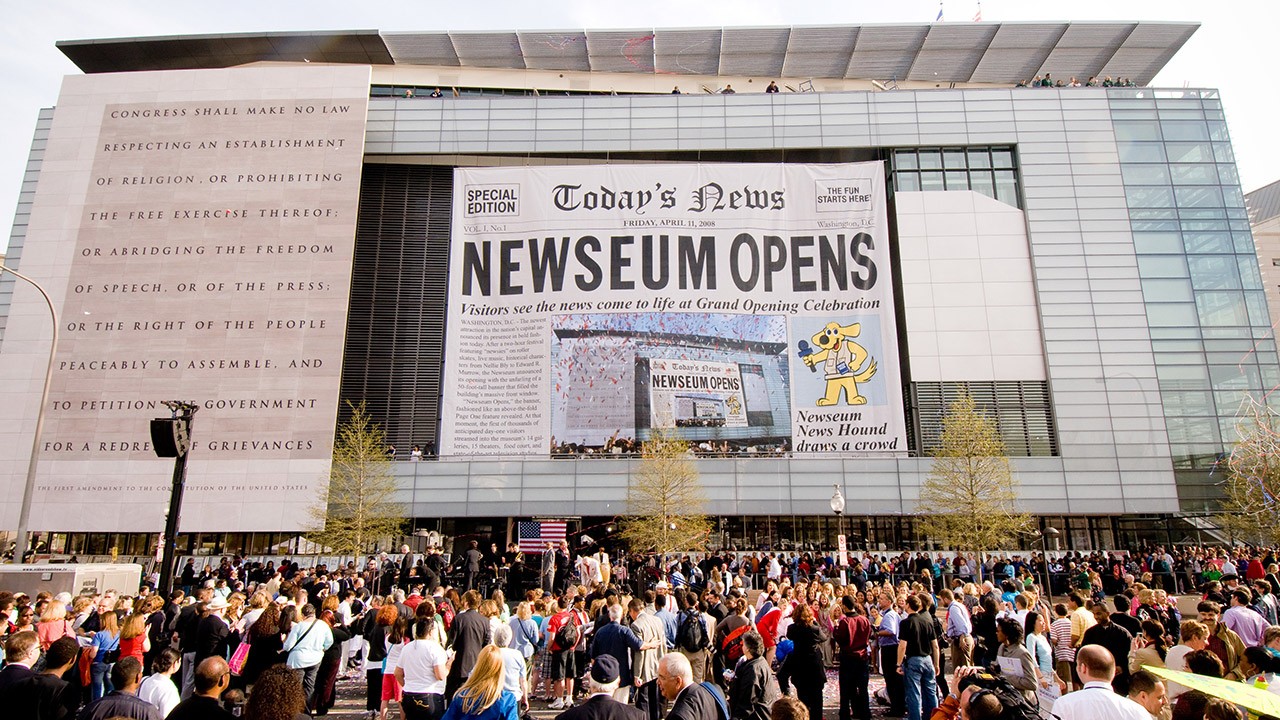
<point x="74" y="578"/>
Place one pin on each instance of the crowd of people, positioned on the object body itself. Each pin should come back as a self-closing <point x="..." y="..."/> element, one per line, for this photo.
<point x="682" y="637"/>
<point x="1047" y="80"/>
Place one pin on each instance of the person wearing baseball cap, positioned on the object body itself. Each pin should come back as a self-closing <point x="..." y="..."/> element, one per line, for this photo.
<point x="600" y="705"/>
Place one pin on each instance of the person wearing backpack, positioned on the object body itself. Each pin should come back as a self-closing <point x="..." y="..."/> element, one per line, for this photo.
<point x="853" y="639"/>
<point x="564" y="633"/>
<point x="728" y="639"/>
<point x="692" y="638"/>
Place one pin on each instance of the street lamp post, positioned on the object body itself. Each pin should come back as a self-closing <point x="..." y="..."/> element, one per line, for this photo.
<point x="1049" y="532"/>
<point x="837" y="507"/>
<point x="24" y="514"/>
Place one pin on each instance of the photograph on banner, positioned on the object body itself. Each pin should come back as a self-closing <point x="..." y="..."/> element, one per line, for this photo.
<point x="720" y="380"/>
<point x="746" y="308"/>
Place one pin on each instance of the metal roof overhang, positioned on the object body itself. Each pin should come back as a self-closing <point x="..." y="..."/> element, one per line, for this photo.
<point x="995" y="53"/>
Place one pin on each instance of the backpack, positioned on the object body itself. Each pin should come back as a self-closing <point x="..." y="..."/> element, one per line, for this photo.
<point x="692" y="633"/>
<point x="732" y="647"/>
<point x="567" y="636"/>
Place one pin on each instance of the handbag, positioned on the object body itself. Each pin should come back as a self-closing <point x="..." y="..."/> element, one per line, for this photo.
<point x="284" y="654"/>
<point x="113" y="654"/>
<point x="238" y="658"/>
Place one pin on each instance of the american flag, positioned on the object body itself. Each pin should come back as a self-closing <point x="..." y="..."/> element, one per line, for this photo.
<point x="533" y="536"/>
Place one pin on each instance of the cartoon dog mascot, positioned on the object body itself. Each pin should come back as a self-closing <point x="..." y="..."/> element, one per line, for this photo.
<point x="841" y="358"/>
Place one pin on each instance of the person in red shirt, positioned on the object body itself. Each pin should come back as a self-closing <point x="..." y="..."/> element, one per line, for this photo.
<point x="853" y="640"/>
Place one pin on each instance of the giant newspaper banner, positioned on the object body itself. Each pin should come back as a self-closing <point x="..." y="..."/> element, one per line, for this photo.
<point x="746" y="308"/>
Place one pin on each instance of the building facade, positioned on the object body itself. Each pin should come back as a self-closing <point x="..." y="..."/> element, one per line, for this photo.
<point x="1079" y="258"/>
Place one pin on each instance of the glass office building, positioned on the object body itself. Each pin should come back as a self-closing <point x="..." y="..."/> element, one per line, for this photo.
<point x="1079" y="258"/>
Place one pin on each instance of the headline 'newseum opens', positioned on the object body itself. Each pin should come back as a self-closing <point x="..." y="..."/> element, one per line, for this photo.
<point x="529" y="252"/>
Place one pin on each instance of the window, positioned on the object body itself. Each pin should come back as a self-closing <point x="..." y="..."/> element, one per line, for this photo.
<point x="988" y="171"/>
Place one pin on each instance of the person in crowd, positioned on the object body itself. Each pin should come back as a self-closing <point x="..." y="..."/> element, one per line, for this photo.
<point x="689" y="700"/>
<point x="1010" y="632"/>
<point x="1191" y="704"/>
<point x="1149" y="691"/>
<point x="788" y="708"/>
<point x="1219" y="709"/>
<point x="804" y="666"/>
<point x="1096" y="666"/>
<point x="1222" y="641"/>
<point x="397" y="637"/>
<point x="158" y="687"/>
<point x="21" y="651"/>
<point x="752" y="684"/>
<point x="213" y="632"/>
<point x="1115" y="639"/>
<point x="1149" y="647"/>
<point x="602" y="687"/>
<point x="1243" y="620"/>
<point x="469" y="633"/>
<point x="106" y="644"/>
<point x="515" y="679"/>
<point x="916" y="660"/>
<point x="852" y="637"/>
<point x="331" y="662"/>
<point x="645" y="663"/>
<point x="277" y="695"/>
<point x="53" y="625"/>
<point x="45" y="695"/>
<point x="265" y="643"/>
<point x="421" y="669"/>
<point x="212" y="678"/>
<point x="618" y="642"/>
<point x="123" y="700"/>
<point x="184" y="629"/>
<point x="887" y="623"/>
<point x="308" y="639"/>
<point x="482" y="696"/>
<point x="133" y="637"/>
<point x="1195" y="636"/>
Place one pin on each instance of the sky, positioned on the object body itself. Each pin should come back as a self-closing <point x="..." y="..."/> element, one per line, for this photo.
<point x="1234" y="50"/>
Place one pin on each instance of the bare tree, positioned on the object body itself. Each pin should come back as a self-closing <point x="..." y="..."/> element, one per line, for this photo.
<point x="665" y="501"/>
<point x="1249" y="506"/>
<point x="970" y="499"/>
<point x="360" y="508"/>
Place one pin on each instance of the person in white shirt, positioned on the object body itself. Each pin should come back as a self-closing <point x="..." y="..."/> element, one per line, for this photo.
<point x="420" y="668"/>
<point x="1195" y="636"/>
<point x="158" y="688"/>
<point x="1097" y="701"/>
<point x="305" y="645"/>
<point x="515" y="680"/>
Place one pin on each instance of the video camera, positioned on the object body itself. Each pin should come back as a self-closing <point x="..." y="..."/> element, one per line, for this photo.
<point x="1014" y="705"/>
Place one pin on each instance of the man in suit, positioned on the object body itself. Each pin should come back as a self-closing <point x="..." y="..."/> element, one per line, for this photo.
<point x="47" y="696"/>
<point x="603" y="685"/>
<point x="212" y="632"/>
<point x="617" y="642"/>
<point x="549" y="568"/>
<point x="468" y="635"/>
<point x="21" y="651"/>
<point x="471" y="564"/>
<point x="644" y="663"/>
<point x="690" y="700"/>
<point x="562" y="567"/>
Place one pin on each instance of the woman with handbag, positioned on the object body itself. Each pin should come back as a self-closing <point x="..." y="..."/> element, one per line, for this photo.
<point x="265" y="642"/>
<point x="422" y="667"/>
<point x="106" y="644"/>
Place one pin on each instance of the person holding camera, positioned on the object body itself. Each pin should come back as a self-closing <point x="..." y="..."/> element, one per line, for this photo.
<point x="968" y="699"/>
